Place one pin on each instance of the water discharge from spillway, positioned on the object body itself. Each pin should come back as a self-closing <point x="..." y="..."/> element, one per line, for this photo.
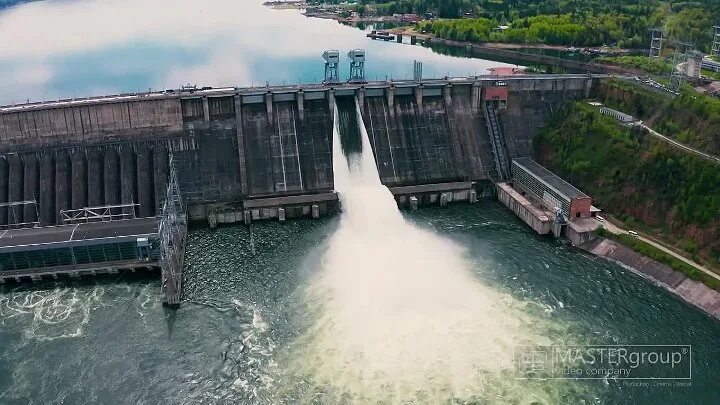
<point x="397" y="314"/>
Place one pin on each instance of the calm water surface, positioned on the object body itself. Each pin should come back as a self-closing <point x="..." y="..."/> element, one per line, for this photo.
<point x="66" y="48"/>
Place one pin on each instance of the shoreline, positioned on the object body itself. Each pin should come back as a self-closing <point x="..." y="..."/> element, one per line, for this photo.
<point x="691" y="291"/>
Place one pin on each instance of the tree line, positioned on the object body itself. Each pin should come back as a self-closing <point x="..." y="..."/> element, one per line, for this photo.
<point x="624" y="23"/>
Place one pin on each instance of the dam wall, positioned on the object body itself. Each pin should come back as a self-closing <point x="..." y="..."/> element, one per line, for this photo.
<point x="247" y="152"/>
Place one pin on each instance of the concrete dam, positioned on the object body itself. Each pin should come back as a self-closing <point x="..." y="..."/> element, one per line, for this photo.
<point x="243" y="154"/>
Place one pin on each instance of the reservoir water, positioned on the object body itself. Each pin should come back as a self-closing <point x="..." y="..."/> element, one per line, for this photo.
<point x="73" y="48"/>
<point x="373" y="306"/>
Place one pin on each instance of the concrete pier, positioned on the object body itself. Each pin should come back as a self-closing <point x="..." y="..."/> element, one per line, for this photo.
<point x="62" y="182"/>
<point x="15" y="188"/>
<point x="31" y="189"/>
<point x="79" y="185"/>
<point x="112" y="177"/>
<point x="95" y="177"/>
<point x="3" y="189"/>
<point x="539" y="220"/>
<point x="160" y="173"/>
<point x="144" y="182"/>
<point x="48" y="215"/>
<point x="127" y="175"/>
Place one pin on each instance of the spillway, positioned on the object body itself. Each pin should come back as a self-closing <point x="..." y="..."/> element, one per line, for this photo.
<point x="397" y="315"/>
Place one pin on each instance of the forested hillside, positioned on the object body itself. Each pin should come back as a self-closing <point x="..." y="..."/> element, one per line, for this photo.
<point x="568" y="22"/>
<point x="692" y="118"/>
<point x="643" y="181"/>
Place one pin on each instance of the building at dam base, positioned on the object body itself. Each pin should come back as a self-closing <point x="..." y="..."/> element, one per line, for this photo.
<point x="547" y="203"/>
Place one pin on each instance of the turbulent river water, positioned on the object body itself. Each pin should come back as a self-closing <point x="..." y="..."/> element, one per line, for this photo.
<point x="372" y="306"/>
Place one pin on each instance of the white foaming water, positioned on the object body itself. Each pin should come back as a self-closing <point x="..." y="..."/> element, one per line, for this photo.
<point x="55" y="314"/>
<point x="397" y="314"/>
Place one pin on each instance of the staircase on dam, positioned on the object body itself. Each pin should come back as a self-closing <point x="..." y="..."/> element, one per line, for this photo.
<point x="497" y="140"/>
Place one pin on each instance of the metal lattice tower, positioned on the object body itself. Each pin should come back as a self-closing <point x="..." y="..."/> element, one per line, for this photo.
<point x="656" y="41"/>
<point x="716" y="41"/>
<point x="417" y="71"/>
<point x="173" y="230"/>
<point x="332" y="59"/>
<point x="357" y="65"/>
<point x="677" y="76"/>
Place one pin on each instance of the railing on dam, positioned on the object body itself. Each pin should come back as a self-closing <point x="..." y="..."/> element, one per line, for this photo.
<point x="224" y="91"/>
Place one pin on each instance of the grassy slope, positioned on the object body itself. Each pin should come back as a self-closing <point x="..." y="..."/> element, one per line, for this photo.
<point x="653" y="66"/>
<point x="643" y="181"/>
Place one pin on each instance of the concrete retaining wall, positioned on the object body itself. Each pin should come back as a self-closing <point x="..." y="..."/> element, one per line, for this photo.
<point x="692" y="291"/>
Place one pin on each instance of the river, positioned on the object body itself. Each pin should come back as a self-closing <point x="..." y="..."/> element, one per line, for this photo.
<point x="272" y="315"/>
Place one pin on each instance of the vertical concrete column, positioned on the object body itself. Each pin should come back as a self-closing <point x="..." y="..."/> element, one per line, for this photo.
<point x="95" y="178"/>
<point x="419" y="97"/>
<point x="269" y="107"/>
<point x="112" y="177"/>
<point x="4" y="174"/>
<point x="206" y="109"/>
<point x="48" y="215"/>
<point x="31" y="189"/>
<point x="62" y="182"/>
<point x="79" y="187"/>
<point x="15" y="187"/>
<point x="361" y="99"/>
<point x="588" y="86"/>
<point x="241" y="141"/>
<point x="331" y="101"/>
<point x="144" y="182"/>
<point x="160" y="169"/>
<point x="127" y="175"/>
<point x="447" y="95"/>
<point x="391" y="100"/>
<point x="300" y="97"/>
<point x="475" y="94"/>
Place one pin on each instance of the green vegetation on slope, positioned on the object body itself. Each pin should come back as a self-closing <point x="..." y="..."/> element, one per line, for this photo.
<point x="691" y="118"/>
<point x="658" y="255"/>
<point x="653" y="66"/>
<point x="640" y="179"/>
<point x="567" y="22"/>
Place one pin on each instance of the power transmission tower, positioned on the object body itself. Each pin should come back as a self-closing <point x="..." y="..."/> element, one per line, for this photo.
<point x="173" y="232"/>
<point x="656" y="41"/>
<point x="677" y="76"/>
<point x="716" y="41"/>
